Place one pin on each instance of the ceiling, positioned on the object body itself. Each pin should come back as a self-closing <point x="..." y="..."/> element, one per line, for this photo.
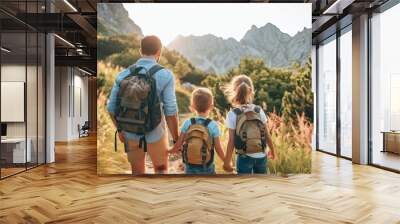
<point x="75" y="22"/>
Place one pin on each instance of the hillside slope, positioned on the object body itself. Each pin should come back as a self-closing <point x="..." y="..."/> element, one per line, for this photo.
<point x="113" y="19"/>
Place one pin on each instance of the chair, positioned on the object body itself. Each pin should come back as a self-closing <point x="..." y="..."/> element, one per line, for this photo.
<point x="84" y="130"/>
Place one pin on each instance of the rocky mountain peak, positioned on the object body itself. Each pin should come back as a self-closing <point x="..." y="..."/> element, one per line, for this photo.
<point x="276" y="48"/>
<point x="113" y="19"/>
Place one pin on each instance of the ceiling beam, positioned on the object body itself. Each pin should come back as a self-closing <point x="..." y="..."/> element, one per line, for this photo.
<point x="338" y="6"/>
<point x="83" y="23"/>
<point x="76" y="61"/>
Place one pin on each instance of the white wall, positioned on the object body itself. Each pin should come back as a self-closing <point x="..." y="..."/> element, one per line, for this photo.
<point x="12" y="73"/>
<point x="70" y="83"/>
<point x="33" y="127"/>
<point x="16" y="73"/>
<point x="61" y="103"/>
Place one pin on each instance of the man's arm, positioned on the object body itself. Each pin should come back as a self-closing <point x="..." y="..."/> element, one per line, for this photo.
<point x="112" y="105"/>
<point x="171" y="107"/>
<point x="178" y="145"/>
<point x="173" y="124"/>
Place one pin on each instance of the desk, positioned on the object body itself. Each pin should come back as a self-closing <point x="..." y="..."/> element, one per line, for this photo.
<point x="13" y="150"/>
<point x="391" y="141"/>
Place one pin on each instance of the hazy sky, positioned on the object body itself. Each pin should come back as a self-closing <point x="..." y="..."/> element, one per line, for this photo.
<point x="223" y="19"/>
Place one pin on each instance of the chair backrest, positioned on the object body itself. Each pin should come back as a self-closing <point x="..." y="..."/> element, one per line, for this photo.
<point x="86" y="125"/>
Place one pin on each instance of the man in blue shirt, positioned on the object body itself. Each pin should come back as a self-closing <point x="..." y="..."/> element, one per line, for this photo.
<point x="157" y="139"/>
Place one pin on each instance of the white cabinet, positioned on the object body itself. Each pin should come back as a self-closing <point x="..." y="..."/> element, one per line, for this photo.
<point x="19" y="155"/>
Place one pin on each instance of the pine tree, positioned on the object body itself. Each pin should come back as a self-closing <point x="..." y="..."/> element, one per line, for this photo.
<point x="300" y="100"/>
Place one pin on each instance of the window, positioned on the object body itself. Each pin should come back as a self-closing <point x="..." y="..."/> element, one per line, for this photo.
<point x="385" y="89"/>
<point x="327" y="96"/>
<point x="346" y="93"/>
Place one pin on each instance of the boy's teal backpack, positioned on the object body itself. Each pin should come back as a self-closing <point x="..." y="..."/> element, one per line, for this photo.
<point x="139" y="107"/>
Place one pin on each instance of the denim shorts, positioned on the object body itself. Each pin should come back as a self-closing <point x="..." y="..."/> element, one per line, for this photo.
<point x="208" y="170"/>
<point x="249" y="165"/>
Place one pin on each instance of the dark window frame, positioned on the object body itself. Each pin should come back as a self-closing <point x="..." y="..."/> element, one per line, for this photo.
<point x="333" y="37"/>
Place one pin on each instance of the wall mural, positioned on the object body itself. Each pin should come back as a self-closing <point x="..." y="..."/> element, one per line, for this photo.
<point x="185" y="90"/>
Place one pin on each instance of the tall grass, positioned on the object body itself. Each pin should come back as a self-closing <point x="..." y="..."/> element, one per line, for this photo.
<point x="292" y="139"/>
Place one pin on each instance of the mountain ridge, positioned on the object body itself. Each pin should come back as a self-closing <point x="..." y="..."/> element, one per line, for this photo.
<point x="113" y="19"/>
<point x="216" y="54"/>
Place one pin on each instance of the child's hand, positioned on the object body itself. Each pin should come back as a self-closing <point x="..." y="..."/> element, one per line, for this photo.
<point x="174" y="150"/>
<point x="227" y="167"/>
<point x="271" y="155"/>
<point x="121" y="136"/>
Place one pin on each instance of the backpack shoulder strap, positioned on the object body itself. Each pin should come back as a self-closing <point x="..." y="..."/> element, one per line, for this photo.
<point x="134" y="69"/>
<point x="154" y="69"/>
<point x="207" y="122"/>
<point x="237" y="110"/>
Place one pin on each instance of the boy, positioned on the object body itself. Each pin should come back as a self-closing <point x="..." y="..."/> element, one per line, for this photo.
<point x="199" y="136"/>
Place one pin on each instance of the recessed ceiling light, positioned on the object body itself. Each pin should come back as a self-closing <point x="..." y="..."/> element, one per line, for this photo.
<point x="86" y="72"/>
<point x="5" y="50"/>
<point x="64" y="40"/>
<point x="70" y="5"/>
<point x="338" y="6"/>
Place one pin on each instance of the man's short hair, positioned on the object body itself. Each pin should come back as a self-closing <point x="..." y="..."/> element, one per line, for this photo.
<point x="150" y="45"/>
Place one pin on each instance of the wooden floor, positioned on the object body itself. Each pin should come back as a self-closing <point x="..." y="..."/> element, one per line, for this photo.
<point x="387" y="159"/>
<point x="69" y="191"/>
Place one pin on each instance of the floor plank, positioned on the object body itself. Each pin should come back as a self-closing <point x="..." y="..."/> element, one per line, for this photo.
<point x="70" y="191"/>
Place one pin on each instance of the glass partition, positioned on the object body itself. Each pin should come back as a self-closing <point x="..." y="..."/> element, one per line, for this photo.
<point x="14" y="153"/>
<point x="22" y="101"/>
<point x="32" y="97"/>
<point x="41" y="96"/>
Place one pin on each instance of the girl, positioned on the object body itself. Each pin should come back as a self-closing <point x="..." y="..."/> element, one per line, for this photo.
<point x="251" y="157"/>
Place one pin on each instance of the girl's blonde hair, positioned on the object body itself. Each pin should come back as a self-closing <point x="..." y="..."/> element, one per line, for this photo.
<point x="240" y="90"/>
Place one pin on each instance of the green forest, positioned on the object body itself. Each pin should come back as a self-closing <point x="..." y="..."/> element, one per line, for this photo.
<point x="284" y="93"/>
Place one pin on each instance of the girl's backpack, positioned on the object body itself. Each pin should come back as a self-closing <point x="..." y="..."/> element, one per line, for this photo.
<point x="198" y="149"/>
<point x="250" y="136"/>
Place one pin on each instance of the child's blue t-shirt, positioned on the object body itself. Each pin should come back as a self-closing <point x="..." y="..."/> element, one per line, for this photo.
<point x="213" y="128"/>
